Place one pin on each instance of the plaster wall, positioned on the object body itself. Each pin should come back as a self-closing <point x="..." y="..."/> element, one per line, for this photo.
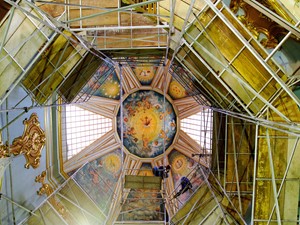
<point x="18" y="182"/>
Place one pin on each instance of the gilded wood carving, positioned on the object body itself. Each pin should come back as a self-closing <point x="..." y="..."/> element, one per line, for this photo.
<point x="257" y="23"/>
<point x="4" y="151"/>
<point x="46" y="188"/>
<point x="31" y="143"/>
<point x="48" y="191"/>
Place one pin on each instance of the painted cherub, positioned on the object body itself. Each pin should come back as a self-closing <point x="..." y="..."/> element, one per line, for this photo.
<point x="145" y="141"/>
<point x="130" y="131"/>
<point x="173" y="124"/>
<point x="131" y="111"/>
<point x="162" y="115"/>
<point x="163" y="135"/>
<point x="146" y="103"/>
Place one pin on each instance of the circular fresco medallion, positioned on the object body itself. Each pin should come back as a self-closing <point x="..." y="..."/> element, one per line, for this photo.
<point x="147" y="122"/>
<point x="176" y="91"/>
<point x="112" y="163"/>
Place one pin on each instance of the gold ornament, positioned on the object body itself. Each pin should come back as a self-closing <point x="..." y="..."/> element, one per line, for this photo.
<point x="259" y="24"/>
<point x="4" y="151"/>
<point x="31" y="143"/>
<point x="48" y="190"/>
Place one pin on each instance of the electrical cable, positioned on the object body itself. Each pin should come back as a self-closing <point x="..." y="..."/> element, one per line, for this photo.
<point x="122" y="175"/>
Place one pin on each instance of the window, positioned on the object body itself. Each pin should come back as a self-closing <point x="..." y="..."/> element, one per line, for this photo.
<point x="199" y="127"/>
<point x="80" y="128"/>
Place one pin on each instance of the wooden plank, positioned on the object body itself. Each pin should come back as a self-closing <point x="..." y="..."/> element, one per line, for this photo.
<point x="97" y="3"/>
<point x="106" y="19"/>
<point x="142" y="182"/>
<point x="53" y="10"/>
<point x="125" y="41"/>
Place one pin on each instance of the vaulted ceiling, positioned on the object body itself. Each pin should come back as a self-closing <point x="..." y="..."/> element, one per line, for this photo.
<point x="155" y="64"/>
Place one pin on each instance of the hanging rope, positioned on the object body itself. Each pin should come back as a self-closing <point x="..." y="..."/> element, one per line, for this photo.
<point x="121" y="135"/>
<point x="164" y="145"/>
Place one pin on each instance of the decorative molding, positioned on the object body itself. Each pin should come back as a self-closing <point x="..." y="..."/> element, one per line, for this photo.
<point x="47" y="190"/>
<point x="4" y="151"/>
<point x="257" y="23"/>
<point x="102" y="106"/>
<point x="31" y="143"/>
<point x="186" y="107"/>
<point x="108" y="143"/>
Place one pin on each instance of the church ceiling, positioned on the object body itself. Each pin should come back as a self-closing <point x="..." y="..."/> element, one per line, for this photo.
<point x="153" y="105"/>
<point x="159" y="66"/>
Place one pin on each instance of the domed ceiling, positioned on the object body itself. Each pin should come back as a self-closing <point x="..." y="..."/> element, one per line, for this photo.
<point x="149" y="123"/>
<point x="153" y="107"/>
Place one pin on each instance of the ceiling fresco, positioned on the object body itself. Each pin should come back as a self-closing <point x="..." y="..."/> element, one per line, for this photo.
<point x="181" y="165"/>
<point x="99" y="178"/>
<point x="145" y="74"/>
<point x="104" y="83"/>
<point x="150" y="129"/>
<point x="147" y="123"/>
<point x="110" y="88"/>
<point x="176" y="91"/>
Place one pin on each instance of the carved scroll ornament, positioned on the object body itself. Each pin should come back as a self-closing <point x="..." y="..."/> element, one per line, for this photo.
<point x="257" y="23"/>
<point x="47" y="190"/>
<point x="31" y="143"/>
<point x="4" y="151"/>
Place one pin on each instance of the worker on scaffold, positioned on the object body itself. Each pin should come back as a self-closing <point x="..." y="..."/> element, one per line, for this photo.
<point x="185" y="186"/>
<point x="161" y="171"/>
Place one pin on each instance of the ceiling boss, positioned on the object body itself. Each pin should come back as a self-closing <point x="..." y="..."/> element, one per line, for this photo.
<point x="148" y="121"/>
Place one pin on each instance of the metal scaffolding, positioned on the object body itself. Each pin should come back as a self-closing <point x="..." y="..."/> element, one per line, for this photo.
<point x="249" y="175"/>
